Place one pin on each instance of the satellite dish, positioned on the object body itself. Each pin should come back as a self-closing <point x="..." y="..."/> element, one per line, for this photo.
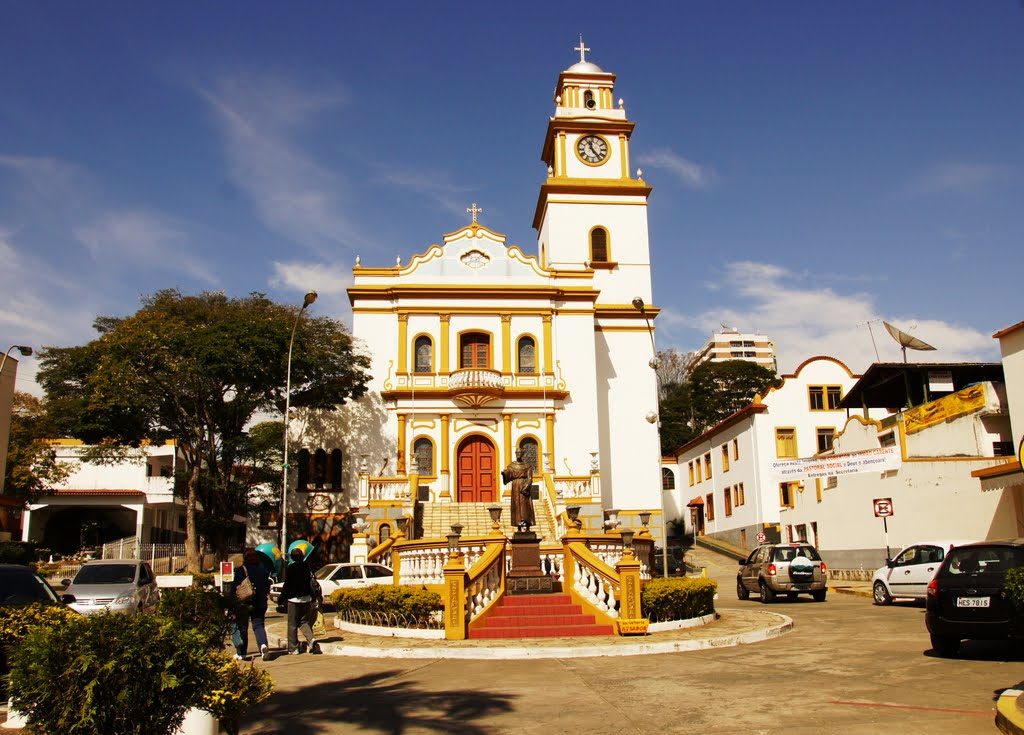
<point x="906" y="340"/>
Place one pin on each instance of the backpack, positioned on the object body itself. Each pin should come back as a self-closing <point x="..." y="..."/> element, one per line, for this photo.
<point x="315" y="590"/>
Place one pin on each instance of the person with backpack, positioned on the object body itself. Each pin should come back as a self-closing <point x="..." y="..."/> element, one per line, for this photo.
<point x="298" y="590"/>
<point x="251" y="599"/>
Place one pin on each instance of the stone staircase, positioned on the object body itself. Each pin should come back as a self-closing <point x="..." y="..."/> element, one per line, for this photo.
<point x="539" y="616"/>
<point x="476" y="521"/>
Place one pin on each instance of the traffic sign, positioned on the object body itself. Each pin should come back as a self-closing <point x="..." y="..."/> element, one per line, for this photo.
<point x="761" y="537"/>
<point x="883" y="507"/>
<point x="227" y="571"/>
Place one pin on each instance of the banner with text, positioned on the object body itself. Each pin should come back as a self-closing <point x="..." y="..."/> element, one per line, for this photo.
<point x="850" y="463"/>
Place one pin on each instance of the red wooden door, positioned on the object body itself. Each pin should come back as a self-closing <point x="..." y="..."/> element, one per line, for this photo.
<point x="477" y="475"/>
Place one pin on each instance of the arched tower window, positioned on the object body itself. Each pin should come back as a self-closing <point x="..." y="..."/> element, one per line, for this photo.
<point x="424" y="351"/>
<point x="531" y="451"/>
<point x="527" y="354"/>
<point x="383" y="533"/>
<point x="599" y="245"/>
<point x="668" y="479"/>
<point x="588" y="100"/>
<point x="319" y="467"/>
<point x="474" y="350"/>
<point x="302" y="462"/>
<point x="334" y="468"/>
<point x="423" y="451"/>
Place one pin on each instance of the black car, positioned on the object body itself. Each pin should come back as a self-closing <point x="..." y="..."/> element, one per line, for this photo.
<point x="21" y="586"/>
<point x="967" y="598"/>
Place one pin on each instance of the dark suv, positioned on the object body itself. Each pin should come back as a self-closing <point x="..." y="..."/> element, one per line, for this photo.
<point x="788" y="569"/>
<point x="967" y="598"/>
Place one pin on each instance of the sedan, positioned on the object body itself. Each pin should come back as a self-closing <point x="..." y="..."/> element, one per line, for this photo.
<point x="117" y="585"/>
<point x="908" y="574"/>
<point x="21" y="586"/>
<point x="346" y="575"/>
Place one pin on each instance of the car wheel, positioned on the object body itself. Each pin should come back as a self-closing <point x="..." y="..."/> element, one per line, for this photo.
<point x="767" y="593"/>
<point x="945" y="645"/>
<point x="819" y="595"/>
<point x="741" y="592"/>
<point x="881" y="594"/>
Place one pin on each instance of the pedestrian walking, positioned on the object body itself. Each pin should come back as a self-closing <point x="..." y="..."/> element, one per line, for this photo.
<point x="253" y="609"/>
<point x="298" y="591"/>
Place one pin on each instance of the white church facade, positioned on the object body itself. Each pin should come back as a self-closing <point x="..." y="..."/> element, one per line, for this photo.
<point x="481" y="349"/>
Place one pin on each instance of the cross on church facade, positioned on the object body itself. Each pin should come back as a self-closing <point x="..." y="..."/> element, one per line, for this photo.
<point x="474" y="211"/>
<point x="582" y="49"/>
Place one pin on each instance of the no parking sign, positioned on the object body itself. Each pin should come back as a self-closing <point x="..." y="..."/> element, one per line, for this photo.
<point x="883" y="507"/>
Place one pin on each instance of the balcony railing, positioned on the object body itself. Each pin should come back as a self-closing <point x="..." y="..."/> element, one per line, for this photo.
<point x="475" y="387"/>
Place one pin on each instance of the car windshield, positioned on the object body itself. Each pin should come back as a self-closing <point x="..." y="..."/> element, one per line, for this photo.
<point x="975" y="560"/>
<point x="324" y="572"/>
<point x="106" y="574"/>
<point x="22" y="587"/>
<point x="789" y="553"/>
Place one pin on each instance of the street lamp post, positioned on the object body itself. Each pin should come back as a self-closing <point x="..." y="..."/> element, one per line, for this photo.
<point x="638" y="304"/>
<point x="306" y="301"/>
<point x="25" y="351"/>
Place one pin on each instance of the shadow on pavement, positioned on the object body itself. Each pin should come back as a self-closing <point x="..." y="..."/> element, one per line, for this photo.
<point x="372" y="703"/>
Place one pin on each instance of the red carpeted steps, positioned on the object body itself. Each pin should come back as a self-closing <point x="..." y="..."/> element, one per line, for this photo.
<point x="539" y="616"/>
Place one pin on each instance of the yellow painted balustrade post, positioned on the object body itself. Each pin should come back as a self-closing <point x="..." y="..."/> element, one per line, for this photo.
<point x="455" y="597"/>
<point x="414" y="482"/>
<point x="630" y="619"/>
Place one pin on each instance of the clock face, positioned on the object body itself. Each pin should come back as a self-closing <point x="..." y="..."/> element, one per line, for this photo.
<point x="592" y="149"/>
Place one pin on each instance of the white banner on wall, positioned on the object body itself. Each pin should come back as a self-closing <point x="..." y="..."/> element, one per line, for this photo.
<point x="850" y="463"/>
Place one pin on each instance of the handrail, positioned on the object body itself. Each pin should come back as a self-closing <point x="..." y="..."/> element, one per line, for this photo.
<point x="381" y="553"/>
<point x="551" y="504"/>
<point x="485" y="580"/>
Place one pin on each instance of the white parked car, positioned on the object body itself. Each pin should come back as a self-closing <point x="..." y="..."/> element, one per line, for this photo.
<point x="908" y="573"/>
<point x="344" y="575"/>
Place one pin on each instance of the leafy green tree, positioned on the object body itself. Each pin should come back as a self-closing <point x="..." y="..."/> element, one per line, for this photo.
<point x="196" y="369"/>
<point x="31" y="468"/>
<point x="712" y="392"/>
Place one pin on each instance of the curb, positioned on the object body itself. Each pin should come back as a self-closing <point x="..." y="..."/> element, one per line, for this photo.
<point x="851" y="591"/>
<point x="774" y="630"/>
<point x="1009" y="718"/>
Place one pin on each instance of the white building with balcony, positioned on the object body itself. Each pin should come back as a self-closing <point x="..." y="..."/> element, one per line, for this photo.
<point x="731" y="344"/>
<point x="481" y="348"/>
<point x="132" y="497"/>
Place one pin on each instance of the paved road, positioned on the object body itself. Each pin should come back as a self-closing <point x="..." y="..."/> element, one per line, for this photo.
<point x="847" y="667"/>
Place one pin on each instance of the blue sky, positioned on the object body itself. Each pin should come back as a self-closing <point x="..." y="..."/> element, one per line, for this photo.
<point x="815" y="165"/>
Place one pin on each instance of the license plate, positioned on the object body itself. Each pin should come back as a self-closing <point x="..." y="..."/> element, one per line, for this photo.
<point x="973" y="601"/>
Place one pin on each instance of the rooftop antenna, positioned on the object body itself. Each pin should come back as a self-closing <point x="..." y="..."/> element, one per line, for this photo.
<point x="868" y="322"/>
<point x="906" y="340"/>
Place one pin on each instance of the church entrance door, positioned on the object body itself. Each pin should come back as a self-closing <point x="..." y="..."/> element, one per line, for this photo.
<point x="477" y="471"/>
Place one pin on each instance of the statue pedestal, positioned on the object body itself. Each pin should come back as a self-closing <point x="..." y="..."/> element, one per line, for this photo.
<point x="525" y="577"/>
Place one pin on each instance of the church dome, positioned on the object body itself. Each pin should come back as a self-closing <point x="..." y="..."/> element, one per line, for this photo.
<point x="585" y="67"/>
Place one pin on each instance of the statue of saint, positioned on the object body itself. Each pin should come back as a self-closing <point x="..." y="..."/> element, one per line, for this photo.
<point x="520" y="475"/>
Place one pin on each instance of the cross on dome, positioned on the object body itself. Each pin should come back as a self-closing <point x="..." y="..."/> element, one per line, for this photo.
<point x="474" y="211"/>
<point x="582" y="49"/>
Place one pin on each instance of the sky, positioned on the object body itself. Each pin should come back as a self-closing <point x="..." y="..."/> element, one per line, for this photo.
<point x="816" y="167"/>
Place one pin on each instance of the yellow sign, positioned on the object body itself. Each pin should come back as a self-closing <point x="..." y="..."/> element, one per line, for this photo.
<point x="947" y="408"/>
<point x="636" y="626"/>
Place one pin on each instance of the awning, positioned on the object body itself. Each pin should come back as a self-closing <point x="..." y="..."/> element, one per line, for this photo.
<point x="695" y="502"/>
<point x="1000" y="477"/>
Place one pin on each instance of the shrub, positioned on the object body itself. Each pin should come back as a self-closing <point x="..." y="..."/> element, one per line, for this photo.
<point x="677" y="598"/>
<point x="204" y="579"/>
<point x="110" y="674"/>
<point x="17" y="552"/>
<point x="16" y="622"/>
<point x="200" y="608"/>
<point x="238" y="688"/>
<point x="413" y="603"/>
<point x="1015" y="587"/>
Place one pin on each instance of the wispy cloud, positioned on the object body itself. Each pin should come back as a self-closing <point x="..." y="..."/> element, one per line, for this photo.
<point x="956" y="178"/>
<point x="330" y="281"/>
<point x="805" y="320"/>
<point x="262" y="120"/>
<point x="141" y="238"/>
<point x="434" y="185"/>
<point x="689" y="173"/>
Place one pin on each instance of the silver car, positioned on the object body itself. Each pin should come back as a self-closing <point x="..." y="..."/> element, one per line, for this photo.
<point x="782" y="569"/>
<point x="117" y="585"/>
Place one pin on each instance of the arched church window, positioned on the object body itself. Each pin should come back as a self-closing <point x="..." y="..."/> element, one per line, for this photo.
<point x="302" y="461"/>
<point x="588" y="100"/>
<point x="475" y="350"/>
<point x="319" y="467"/>
<point x="424" y="351"/>
<point x="668" y="479"/>
<point x="599" y="245"/>
<point x="383" y="533"/>
<point x="334" y="468"/>
<point x="527" y="355"/>
<point x="531" y="451"/>
<point x="423" y="451"/>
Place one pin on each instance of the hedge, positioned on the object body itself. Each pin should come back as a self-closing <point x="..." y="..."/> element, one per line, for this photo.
<point x="1015" y="587"/>
<point x="677" y="598"/>
<point x="414" y="603"/>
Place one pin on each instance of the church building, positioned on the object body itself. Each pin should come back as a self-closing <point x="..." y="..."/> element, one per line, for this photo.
<point x="482" y="348"/>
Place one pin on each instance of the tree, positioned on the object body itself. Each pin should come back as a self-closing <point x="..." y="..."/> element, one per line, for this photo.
<point x="712" y="392"/>
<point x="31" y="468"/>
<point x="196" y="369"/>
<point x="673" y="369"/>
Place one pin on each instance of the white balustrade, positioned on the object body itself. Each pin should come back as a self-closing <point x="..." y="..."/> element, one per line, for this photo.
<point x="552" y="564"/>
<point x="598" y="591"/>
<point x="387" y="488"/>
<point x="575" y="487"/>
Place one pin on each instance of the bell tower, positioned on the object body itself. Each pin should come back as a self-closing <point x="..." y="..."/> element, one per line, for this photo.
<point x="591" y="212"/>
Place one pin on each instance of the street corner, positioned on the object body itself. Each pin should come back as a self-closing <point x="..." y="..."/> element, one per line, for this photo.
<point x="1009" y="713"/>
